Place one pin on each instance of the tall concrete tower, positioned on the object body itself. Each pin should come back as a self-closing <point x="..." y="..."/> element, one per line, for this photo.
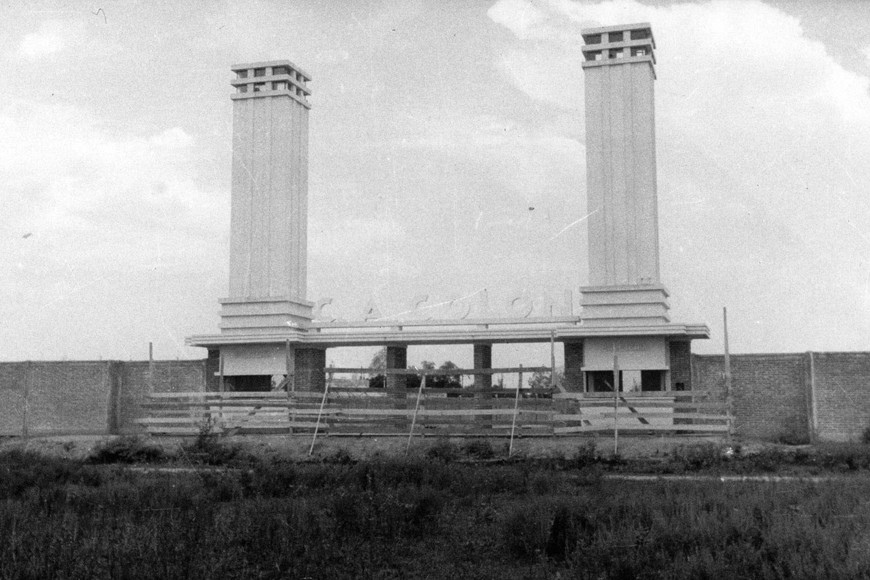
<point x="268" y="242"/>
<point x="265" y="317"/>
<point x="624" y="281"/>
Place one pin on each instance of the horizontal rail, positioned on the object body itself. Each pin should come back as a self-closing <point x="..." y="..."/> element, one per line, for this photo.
<point x="641" y="427"/>
<point x="434" y="372"/>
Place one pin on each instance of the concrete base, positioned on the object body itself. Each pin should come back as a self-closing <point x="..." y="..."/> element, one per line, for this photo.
<point x="247" y="316"/>
<point x="247" y="360"/>
<point x="624" y="305"/>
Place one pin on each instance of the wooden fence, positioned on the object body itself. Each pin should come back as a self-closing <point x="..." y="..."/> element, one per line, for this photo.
<point x="425" y="412"/>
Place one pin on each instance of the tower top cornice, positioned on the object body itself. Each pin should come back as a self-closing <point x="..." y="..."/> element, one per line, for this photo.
<point x="271" y="78"/>
<point x="623" y="44"/>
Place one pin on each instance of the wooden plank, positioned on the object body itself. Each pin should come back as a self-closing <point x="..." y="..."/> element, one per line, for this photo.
<point x="590" y="417"/>
<point x="168" y="421"/>
<point x="373" y="434"/>
<point x="434" y="372"/>
<point x="692" y="406"/>
<point x="634" y="396"/>
<point x="220" y="403"/>
<point x="219" y="395"/>
<point x="173" y="431"/>
<point x="437" y="412"/>
<point x="639" y="427"/>
<point x="230" y="405"/>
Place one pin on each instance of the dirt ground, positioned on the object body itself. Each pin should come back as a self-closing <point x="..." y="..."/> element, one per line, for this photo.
<point x="296" y="447"/>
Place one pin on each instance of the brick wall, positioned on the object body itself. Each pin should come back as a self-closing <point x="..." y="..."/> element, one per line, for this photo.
<point x="68" y="397"/>
<point x="773" y="394"/>
<point x="11" y="398"/>
<point x="842" y="394"/>
<point x="769" y="392"/>
<point x="75" y="397"/>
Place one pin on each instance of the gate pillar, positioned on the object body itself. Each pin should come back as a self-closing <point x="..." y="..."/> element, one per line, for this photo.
<point x="482" y="360"/>
<point x="397" y="358"/>
<point x="574" y="367"/>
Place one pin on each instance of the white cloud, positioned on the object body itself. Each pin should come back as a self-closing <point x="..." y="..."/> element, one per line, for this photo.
<point x="88" y="193"/>
<point x="49" y="39"/>
<point x="519" y="16"/>
<point x="174" y="138"/>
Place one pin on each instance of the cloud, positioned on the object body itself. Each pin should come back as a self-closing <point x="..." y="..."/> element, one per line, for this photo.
<point x="519" y="16"/>
<point x="91" y="196"/>
<point x="174" y="138"/>
<point x="51" y="38"/>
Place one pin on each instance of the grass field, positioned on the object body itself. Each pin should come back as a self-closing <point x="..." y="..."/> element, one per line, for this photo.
<point x="432" y="516"/>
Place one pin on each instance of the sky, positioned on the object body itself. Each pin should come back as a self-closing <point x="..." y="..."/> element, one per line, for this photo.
<point x="435" y="127"/>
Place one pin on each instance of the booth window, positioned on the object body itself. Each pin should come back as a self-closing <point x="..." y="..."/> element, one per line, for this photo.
<point x="601" y="381"/>
<point x="652" y="380"/>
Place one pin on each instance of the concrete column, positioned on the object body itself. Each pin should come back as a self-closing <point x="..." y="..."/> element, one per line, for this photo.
<point x="482" y="360"/>
<point x="397" y="358"/>
<point x="310" y="363"/>
<point x="573" y="366"/>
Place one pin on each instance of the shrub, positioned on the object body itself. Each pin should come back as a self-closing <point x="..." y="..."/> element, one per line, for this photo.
<point x="126" y="449"/>
<point x="703" y="456"/>
<point x="842" y="457"/>
<point x="793" y="436"/>
<point x="586" y="455"/>
<point x="21" y="471"/>
<point x="442" y="450"/>
<point x="340" y="457"/>
<point x="479" y="449"/>
<point x="207" y="448"/>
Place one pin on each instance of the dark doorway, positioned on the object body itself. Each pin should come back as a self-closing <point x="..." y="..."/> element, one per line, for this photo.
<point x="652" y="380"/>
<point x="248" y="383"/>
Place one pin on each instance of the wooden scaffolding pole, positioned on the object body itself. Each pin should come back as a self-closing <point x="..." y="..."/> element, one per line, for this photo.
<point x="729" y="400"/>
<point x="416" y="409"/>
<point x="28" y="377"/>
<point x="319" y="415"/>
<point x="615" y="402"/>
<point x="150" y="367"/>
<point x="516" y="408"/>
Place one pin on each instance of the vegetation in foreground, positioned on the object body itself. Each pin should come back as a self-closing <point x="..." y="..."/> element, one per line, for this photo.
<point x="418" y="517"/>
